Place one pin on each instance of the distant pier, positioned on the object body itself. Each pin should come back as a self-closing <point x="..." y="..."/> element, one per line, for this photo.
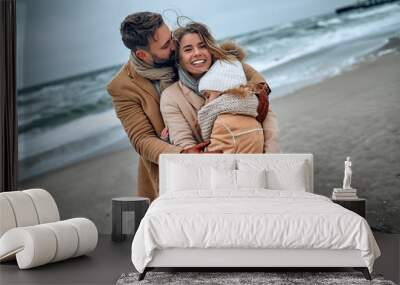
<point x="363" y="5"/>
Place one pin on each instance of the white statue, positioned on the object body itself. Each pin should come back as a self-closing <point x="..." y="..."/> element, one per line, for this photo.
<point x="347" y="174"/>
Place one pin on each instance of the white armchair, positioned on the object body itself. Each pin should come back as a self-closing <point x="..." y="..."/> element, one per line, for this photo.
<point x="31" y="230"/>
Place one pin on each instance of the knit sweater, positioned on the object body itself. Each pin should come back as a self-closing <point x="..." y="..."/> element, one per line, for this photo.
<point x="225" y="103"/>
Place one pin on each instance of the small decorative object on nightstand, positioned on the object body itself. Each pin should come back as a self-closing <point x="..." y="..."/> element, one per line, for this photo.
<point x="356" y="205"/>
<point x="347" y="173"/>
<point x="127" y="205"/>
<point x="347" y="196"/>
<point x="346" y="192"/>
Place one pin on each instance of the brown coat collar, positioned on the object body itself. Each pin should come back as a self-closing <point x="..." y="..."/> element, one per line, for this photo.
<point x="142" y="82"/>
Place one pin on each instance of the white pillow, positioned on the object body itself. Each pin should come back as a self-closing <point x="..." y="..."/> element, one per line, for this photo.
<point x="281" y="174"/>
<point x="290" y="179"/>
<point x="194" y="176"/>
<point x="236" y="179"/>
<point x="251" y="178"/>
<point x="223" y="179"/>
<point x="183" y="177"/>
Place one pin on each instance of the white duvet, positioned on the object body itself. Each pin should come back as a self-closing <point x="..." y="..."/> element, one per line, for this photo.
<point x="253" y="218"/>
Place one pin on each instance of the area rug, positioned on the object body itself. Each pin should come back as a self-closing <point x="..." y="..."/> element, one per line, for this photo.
<point x="243" y="278"/>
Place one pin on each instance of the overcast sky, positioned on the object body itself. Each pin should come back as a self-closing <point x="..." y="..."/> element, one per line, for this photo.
<point x="61" y="38"/>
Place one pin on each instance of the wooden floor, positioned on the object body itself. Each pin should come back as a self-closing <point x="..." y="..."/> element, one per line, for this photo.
<point x="110" y="260"/>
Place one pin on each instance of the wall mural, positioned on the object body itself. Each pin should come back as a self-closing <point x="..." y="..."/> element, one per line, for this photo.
<point x="320" y="69"/>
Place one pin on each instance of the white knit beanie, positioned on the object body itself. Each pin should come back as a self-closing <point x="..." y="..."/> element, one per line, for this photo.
<point x="223" y="75"/>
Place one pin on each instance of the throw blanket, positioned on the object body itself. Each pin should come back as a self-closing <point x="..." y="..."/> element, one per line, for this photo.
<point x="225" y="103"/>
<point x="252" y="218"/>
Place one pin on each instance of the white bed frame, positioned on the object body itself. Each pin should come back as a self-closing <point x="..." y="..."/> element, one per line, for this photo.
<point x="246" y="258"/>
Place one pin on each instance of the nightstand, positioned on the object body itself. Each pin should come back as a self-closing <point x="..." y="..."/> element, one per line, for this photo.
<point x="356" y="205"/>
<point x="128" y="205"/>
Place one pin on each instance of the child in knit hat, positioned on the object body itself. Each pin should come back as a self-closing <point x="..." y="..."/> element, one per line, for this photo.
<point x="228" y="117"/>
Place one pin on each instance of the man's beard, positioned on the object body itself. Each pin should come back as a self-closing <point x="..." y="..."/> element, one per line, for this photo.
<point x="159" y="63"/>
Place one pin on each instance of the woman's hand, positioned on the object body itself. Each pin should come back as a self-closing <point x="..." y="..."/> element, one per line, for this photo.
<point x="165" y="135"/>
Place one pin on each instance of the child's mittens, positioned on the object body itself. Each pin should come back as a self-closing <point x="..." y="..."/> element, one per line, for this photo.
<point x="165" y="135"/>
<point x="262" y="93"/>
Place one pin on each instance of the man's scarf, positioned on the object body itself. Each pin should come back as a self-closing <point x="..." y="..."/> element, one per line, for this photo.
<point x="166" y="75"/>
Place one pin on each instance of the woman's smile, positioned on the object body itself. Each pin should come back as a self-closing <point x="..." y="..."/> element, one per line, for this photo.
<point x="195" y="57"/>
<point x="199" y="61"/>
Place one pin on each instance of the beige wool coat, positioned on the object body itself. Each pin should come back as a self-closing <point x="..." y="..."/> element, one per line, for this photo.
<point x="137" y="105"/>
<point x="179" y="107"/>
<point x="234" y="133"/>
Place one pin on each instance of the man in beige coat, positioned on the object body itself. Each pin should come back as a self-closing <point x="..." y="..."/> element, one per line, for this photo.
<point x="136" y="89"/>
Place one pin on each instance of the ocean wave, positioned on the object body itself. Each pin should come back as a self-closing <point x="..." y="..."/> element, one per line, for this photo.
<point x="323" y="64"/>
<point x="43" y="140"/>
<point x="56" y="104"/>
<point x="77" y="150"/>
<point x="269" y="54"/>
<point x="276" y="32"/>
<point x="329" y="22"/>
<point x="56" y="117"/>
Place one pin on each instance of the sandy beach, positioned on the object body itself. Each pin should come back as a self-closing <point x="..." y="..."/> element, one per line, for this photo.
<point x="354" y="114"/>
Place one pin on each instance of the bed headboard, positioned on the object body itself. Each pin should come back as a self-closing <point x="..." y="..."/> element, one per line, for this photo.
<point x="237" y="161"/>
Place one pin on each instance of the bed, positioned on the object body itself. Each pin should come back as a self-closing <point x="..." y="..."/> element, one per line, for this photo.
<point x="247" y="210"/>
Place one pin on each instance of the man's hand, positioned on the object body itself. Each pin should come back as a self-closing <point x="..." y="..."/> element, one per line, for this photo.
<point x="198" y="148"/>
